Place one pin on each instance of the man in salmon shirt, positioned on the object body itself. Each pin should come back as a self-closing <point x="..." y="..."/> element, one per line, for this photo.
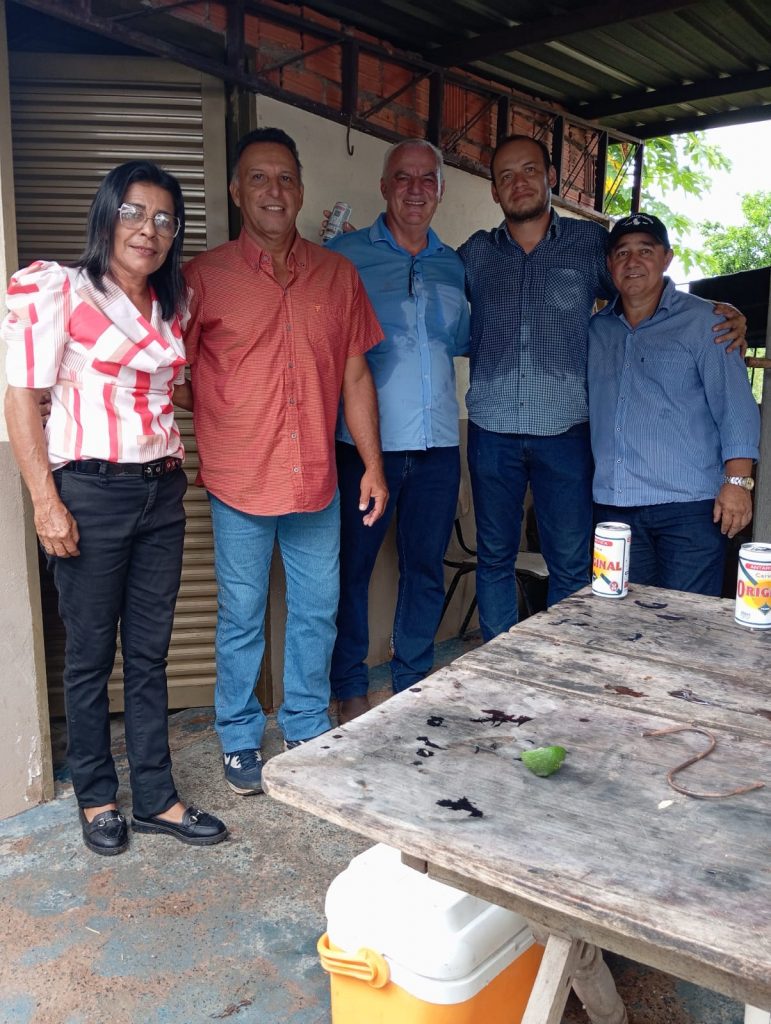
<point x="278" y="331"/>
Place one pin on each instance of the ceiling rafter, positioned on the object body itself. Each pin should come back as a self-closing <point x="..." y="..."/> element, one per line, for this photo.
<point x="629" y="103"/>
<point x="700" y="122"/>
<point x="547" y="30"/>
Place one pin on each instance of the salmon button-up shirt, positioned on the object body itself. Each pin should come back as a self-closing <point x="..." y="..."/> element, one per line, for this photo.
<point x="267" y="363"/>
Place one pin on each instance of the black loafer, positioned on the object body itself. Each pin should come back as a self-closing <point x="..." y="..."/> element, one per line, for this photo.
<point x="196" y="828"/>
<point x="107" y="834"/>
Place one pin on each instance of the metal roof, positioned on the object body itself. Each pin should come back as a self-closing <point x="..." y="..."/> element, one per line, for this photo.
<point x="645" y="67"/>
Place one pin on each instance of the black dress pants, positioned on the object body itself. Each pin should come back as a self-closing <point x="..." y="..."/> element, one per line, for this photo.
<point x="127" y="575"/>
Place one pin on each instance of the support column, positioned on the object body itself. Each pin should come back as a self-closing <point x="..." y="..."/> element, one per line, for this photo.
<point x="761" y="525"/>
<point x="25" y="767"/>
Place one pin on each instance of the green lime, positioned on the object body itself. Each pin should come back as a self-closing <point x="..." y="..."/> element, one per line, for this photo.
<point x="544" y="761"/>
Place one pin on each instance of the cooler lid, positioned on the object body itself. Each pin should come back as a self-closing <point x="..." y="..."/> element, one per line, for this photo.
<point x="433" y="929"/>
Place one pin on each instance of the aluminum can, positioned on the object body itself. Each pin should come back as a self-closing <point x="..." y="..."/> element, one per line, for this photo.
<point x="339" y="216"/>
<point x="753" y="586"/>
<point x="610" y="559"/>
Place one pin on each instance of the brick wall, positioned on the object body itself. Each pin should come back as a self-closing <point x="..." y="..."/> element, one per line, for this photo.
<point x="469" y="123"/>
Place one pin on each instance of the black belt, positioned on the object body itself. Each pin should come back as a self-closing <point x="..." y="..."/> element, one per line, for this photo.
<point x="148" y="470"/>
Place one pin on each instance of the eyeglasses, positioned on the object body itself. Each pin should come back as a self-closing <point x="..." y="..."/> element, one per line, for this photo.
<point x="132" y="215"/>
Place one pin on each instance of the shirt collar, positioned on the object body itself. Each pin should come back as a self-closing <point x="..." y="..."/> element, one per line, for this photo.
<point x="255" y="255"/>
<point x="553" y="230"/>
<point x="665" y="302"/>
<point x="380" y="232"/>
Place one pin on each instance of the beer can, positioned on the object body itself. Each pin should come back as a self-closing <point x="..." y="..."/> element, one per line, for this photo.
<point x="610" y="559"/>
<point x="753" y="586"/>
<point x="339" y="216"/>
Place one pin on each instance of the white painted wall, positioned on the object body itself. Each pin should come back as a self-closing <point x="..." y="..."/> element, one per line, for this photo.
<point x="329" y="175"/>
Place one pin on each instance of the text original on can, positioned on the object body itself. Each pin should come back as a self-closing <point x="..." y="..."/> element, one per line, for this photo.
<point x="610" y="559"/>
<point x="753" y="586"/>
<point x="337" y="219"/>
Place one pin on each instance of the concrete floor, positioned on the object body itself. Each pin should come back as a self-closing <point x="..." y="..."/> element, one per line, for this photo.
<point x="170" y="934"/>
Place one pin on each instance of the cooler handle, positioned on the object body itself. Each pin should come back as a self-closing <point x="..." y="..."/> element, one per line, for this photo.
<point x="366" y="964"/>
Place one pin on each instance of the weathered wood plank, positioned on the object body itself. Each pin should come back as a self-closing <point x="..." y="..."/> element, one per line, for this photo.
<point x="680" y="629"/>
<point x="552" y="983"/>
<point x="712" y="699"/>
<point x="604" y="846"/>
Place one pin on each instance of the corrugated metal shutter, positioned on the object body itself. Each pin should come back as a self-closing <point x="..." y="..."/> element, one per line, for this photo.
<point x="74" y="118"/>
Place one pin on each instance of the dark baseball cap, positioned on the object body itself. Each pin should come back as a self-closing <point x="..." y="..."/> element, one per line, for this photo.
<point x="639" y="223"/>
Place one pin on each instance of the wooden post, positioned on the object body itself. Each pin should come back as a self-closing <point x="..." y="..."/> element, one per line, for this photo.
<point x="639" y="156"/>
<point x="761" y="529"/>
<point x="557" y="145"/>
<point x="435" y="107"/>
<point x="600" y="171"/>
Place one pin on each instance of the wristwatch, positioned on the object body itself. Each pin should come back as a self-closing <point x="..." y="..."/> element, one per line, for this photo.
<point x="741" y="481"/>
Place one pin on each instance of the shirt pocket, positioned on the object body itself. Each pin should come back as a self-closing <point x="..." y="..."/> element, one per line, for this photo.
<point x="566" y="289"/>
<point x="327" y="337"/>
<point x="667" y="365"/>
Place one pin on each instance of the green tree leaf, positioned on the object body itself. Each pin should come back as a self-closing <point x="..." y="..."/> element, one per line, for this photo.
<point x="727" y="250"/>
<point x="676" y="164"/>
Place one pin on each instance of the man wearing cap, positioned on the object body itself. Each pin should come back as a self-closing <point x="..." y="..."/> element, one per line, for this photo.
<point x="675" y="428"/>
<point x="532" y="283"/>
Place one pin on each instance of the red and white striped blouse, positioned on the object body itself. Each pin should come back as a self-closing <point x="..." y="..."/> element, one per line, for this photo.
<point x="110" y="371"/>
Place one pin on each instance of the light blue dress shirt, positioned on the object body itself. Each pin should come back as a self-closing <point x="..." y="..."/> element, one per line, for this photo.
<point x="667" y="406"/>
<point x="421" y="304"/>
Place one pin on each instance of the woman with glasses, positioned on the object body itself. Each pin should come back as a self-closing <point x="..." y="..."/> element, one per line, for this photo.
<point x="105" y="477"/>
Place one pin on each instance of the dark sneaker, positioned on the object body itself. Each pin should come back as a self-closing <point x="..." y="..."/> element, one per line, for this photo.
<point x="243" y="771"/>
<point x="292" y="744"/>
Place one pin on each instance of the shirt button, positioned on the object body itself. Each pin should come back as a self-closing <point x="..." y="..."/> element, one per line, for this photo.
<point x="618" y="461"/>
<point x="290" y="365"/>
<point x="291" y="401"/>
<point x="295" y="469"/>
<point x="293" y="435"/>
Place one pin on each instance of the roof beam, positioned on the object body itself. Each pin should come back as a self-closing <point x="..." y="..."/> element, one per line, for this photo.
<point x="696" y="123"/>
<point x="691" y="93"/>
<point x="546" y="30"/>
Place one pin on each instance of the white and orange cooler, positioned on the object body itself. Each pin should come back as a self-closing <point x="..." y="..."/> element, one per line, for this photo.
<point x="401" y="948"/>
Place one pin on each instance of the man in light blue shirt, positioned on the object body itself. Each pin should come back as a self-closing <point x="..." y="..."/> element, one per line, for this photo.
<point x="416" y="285"/>
<point x="674" y="424"/>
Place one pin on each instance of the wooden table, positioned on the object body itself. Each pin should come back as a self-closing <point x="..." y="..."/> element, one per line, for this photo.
<point x="604" y="853"/>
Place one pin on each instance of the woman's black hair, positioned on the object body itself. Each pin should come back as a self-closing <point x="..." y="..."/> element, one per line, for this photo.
<point x="167" y="281"/>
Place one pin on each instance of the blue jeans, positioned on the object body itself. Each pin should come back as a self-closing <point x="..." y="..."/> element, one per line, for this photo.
<point x="675" y="545"/>
<point x="423" y="492"/>
<point x="127" y="575"/>
<point x="243" y="547"/>
<point x="559" y="469"/>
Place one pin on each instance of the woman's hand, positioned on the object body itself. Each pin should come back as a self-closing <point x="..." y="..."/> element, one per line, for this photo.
<point x="55" y="526"/>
